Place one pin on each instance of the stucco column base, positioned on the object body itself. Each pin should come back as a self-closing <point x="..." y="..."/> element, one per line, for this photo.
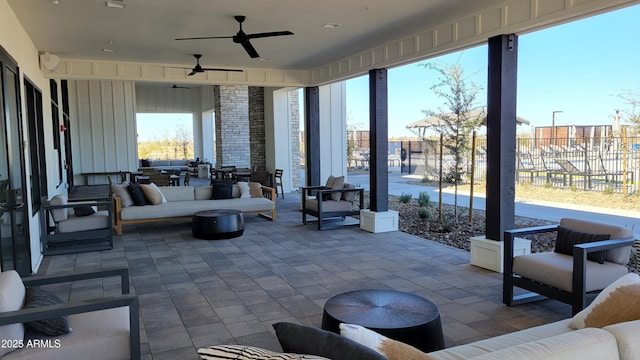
<point x="489" y="254"/>
<point x="377" y="222"/>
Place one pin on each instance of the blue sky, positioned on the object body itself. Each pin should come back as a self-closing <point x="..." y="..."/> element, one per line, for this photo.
<point x="578" y="68"/>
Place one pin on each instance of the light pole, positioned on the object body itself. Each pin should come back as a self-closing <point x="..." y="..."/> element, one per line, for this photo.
<point x="553" y="126"/>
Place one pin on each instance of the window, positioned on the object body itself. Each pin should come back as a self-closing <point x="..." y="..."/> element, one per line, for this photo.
<point x="55" y="121"/>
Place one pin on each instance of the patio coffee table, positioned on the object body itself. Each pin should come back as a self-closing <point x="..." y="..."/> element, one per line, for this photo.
<point x="217" y="224"/>
<point x="401" y="316"/>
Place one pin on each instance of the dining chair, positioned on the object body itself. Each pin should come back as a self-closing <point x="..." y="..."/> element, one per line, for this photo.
<point x="277" y="178"/>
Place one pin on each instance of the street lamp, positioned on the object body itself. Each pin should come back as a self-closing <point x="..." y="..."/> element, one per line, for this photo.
<point x="553" y="126"/>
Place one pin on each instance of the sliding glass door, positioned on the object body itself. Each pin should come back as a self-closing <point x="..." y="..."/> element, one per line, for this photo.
<point x="14" y="227"/>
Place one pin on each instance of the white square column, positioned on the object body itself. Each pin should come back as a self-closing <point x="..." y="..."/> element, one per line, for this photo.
<point x="377" y="222"/>
<point x="489" y="254"/>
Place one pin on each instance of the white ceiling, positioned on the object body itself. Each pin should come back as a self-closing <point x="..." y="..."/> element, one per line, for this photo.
<point x="144" y="31"/>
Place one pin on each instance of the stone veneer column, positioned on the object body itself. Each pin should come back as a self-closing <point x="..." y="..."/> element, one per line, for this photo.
<point x="294" y="103"/>
<point x="232" y="125"/>
<point x="256" y="128"/>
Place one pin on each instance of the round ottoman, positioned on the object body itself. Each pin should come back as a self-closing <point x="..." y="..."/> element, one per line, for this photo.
<point x="401" y="316"/>
<point x="217" y="224"/>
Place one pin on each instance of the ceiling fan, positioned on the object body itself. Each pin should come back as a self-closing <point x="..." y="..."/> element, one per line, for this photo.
<point x="242" y="38"/>
<point x="199" y="69"/>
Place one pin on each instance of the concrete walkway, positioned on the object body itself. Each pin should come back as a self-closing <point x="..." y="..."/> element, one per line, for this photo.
<point x="538" y="209"/>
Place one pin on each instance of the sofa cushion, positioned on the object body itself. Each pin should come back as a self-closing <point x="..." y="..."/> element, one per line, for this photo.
<point x="241" y="352"/>
<point x="580" y="344"/>
<point x="556" y="270"/>
<point x="153" y="194"/>
<point x="137" y="195"/>
<point x="203" y="192"/>
<point x="255" y="189"/>
<point x="178" y="193"/>
<point x="188" y="208"/>
<point x="626" y="334"/>
<point x="59" y="214"/>
<point x="12" y="295"/>
<point x="618" y="302"/>
<point x="221" y="189"/>
<point x="301" y="339"/>
<point x="618" y="255"/>
<point x="391" y="349"/>
<point x="567" y="238"/>
<point x="123" y="193"/>
<point x="58" y="325"/>
<point x="243" y="186"/>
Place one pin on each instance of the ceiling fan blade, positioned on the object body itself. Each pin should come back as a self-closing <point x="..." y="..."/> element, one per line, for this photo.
<point x="249" y="49"/>
<point x="205" y="37"/>
<point x="216" y="69"/>
<point x="268" y="34"/>
<point x="193" y="72"/>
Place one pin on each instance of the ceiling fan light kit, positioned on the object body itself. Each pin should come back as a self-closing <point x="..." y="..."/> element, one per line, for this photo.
<point x="242" y="38"/>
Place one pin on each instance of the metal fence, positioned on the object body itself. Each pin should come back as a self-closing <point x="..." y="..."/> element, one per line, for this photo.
<point x="607" y="165"/>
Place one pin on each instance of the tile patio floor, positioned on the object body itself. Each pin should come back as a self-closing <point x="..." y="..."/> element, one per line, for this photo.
<point x="195" y="293"/>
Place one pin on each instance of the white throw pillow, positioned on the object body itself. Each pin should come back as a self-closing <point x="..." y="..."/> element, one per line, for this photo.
<point x="618" y="302"/>
<point x="391" y="349"/>
<point x="244" y="190"/>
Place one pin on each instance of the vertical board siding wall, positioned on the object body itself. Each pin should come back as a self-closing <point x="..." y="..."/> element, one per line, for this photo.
<point x="103" y="126"/>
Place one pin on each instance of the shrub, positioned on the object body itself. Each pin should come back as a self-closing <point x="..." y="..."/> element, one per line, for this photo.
<point x="608" y="191"/>
<point x="423" y="199"/>
<point x="405" y="198"/>
<point x="424" y="213"/>
<point x="547" y="185"/>
<point x="574" y="188"/>
<point x="447" y="225"/>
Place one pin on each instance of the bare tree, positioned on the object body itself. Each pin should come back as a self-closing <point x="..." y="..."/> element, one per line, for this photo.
<point x="632" y="112"/>
<point x="183" y="142"/>
<point x="462" y="116"/>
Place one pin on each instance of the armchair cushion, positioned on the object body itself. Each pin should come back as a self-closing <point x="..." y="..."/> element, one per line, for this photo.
<point x="99" y="220"/>
<point x="567" y="238"/>
<point x="618" y="255"/>
<point x="12" y="295"/>
<point x="59" y="214"/>
<point x="615" y="304"/>
<point x="338" y="183"/>
<point x="349" y="195"/>
<point x="54" y="326"/>
<point x="556" y="270"/>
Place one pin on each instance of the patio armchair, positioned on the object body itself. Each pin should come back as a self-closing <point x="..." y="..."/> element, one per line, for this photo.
<point x="575" y="279"/>
<point x="102" y="328"/>
<point x="334" y="201"/>
<point x="72" y="227"/>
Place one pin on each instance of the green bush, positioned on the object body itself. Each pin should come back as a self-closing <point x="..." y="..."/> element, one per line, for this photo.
<point x="447" y="225"/>
<point x="424" y="213"/>
<point x="608" y="191"/>
<point x="405" y="198"/>
<point x="423" y="198"/>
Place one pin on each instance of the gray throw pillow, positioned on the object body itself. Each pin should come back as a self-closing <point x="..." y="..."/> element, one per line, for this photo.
<point x="567" y="238"/>
<point x="54" y="326"/>
<point x="301" y="339"/>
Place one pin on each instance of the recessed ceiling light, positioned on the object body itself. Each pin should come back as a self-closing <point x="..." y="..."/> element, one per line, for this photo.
<point x="118" y="4"/>
<point x="263" y="59"/>
<point x="108" y="50"/>
<point x="330" y="25"/>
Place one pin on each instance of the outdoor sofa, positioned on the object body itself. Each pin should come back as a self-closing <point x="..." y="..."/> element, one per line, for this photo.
<point x="184" y="201"/>
<point x="607" y="329"/>
<point x="166" y="165"/>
